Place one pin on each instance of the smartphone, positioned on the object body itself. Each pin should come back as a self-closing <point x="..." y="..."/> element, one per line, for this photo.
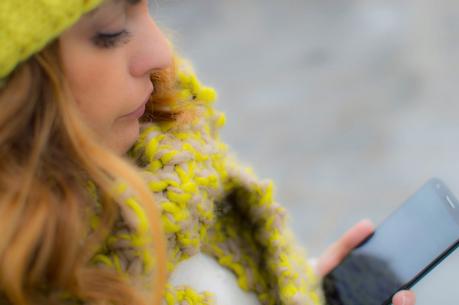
<point x="402" y="249"/>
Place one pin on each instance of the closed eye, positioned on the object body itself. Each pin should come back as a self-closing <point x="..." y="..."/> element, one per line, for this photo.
<point x="108" y="40"/>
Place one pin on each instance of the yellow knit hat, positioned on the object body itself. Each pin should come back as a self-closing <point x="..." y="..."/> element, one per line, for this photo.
<point x="26" y="26"/>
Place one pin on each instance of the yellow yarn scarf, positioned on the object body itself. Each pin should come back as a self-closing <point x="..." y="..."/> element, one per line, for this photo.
<point x="210" y="203"/>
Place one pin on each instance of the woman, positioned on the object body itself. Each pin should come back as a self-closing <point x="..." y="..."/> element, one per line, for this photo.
<point x="100" y="126"/>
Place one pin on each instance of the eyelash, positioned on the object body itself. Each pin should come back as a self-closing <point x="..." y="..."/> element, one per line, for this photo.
<point x="111" y="40"/>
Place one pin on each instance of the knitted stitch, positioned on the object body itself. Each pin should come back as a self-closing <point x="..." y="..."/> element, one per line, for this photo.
<point x="128" y="249"/>
<point x="27" y="25"/>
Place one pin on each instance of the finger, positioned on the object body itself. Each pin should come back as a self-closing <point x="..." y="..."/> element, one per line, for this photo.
<point x="405" y="297"/>
<point x="337" y="251"/>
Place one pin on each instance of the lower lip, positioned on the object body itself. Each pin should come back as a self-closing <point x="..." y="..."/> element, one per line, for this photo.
<point x="136" y="113"/>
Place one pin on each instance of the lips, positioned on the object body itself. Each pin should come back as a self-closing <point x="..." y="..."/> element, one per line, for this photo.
<point x="139" y="111"/>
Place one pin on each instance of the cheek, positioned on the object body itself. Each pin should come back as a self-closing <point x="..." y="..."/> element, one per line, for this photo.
<point x="96" y="83"/>
<point x="99" y="86"/>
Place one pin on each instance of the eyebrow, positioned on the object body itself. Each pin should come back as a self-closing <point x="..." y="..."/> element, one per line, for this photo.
<point x="117" y="2"/>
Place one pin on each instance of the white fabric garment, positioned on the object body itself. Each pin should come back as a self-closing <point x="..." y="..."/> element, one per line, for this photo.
<point x="202" y="273"/>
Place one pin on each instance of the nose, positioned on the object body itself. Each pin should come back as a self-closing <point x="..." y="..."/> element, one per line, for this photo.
<point x="152" y="50"/>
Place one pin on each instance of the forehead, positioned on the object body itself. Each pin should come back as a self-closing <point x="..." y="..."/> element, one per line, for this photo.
<point x="110" y="4"/>
<point x="103" y="15"/>
<point x="105" y="4"/>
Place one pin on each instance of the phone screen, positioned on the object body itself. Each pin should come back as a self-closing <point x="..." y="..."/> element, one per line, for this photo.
<point x="401" y="250"/>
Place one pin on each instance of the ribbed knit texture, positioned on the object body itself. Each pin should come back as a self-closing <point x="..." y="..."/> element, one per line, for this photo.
<point x="26" y="26"/>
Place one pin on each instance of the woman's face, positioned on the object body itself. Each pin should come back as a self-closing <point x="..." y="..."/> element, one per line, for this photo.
<point x="107" y="57"/>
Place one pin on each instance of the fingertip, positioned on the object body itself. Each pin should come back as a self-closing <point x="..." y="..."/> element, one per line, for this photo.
<point x="404" y="297"/>
<point x="399" y="299"/>
<point x="411" y="297"/>
<point x="366" y="222"/>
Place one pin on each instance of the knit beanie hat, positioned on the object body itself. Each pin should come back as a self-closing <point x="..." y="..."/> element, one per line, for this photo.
<point x="26" y="26"/>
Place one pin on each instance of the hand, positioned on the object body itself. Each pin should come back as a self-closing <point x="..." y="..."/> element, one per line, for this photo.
<point x="351" y="239"/>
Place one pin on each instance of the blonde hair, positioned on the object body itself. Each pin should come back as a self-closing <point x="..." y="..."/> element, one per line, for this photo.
<point x="46" y="158"/>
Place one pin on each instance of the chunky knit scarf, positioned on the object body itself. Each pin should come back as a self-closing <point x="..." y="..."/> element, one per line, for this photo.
<point x="211" y="204"/>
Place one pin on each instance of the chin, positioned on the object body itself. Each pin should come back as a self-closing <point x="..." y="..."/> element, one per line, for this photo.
<point x="123" y="141"/>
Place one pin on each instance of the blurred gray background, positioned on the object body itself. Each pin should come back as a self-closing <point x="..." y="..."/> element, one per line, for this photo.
<point x="349" y="106"/>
